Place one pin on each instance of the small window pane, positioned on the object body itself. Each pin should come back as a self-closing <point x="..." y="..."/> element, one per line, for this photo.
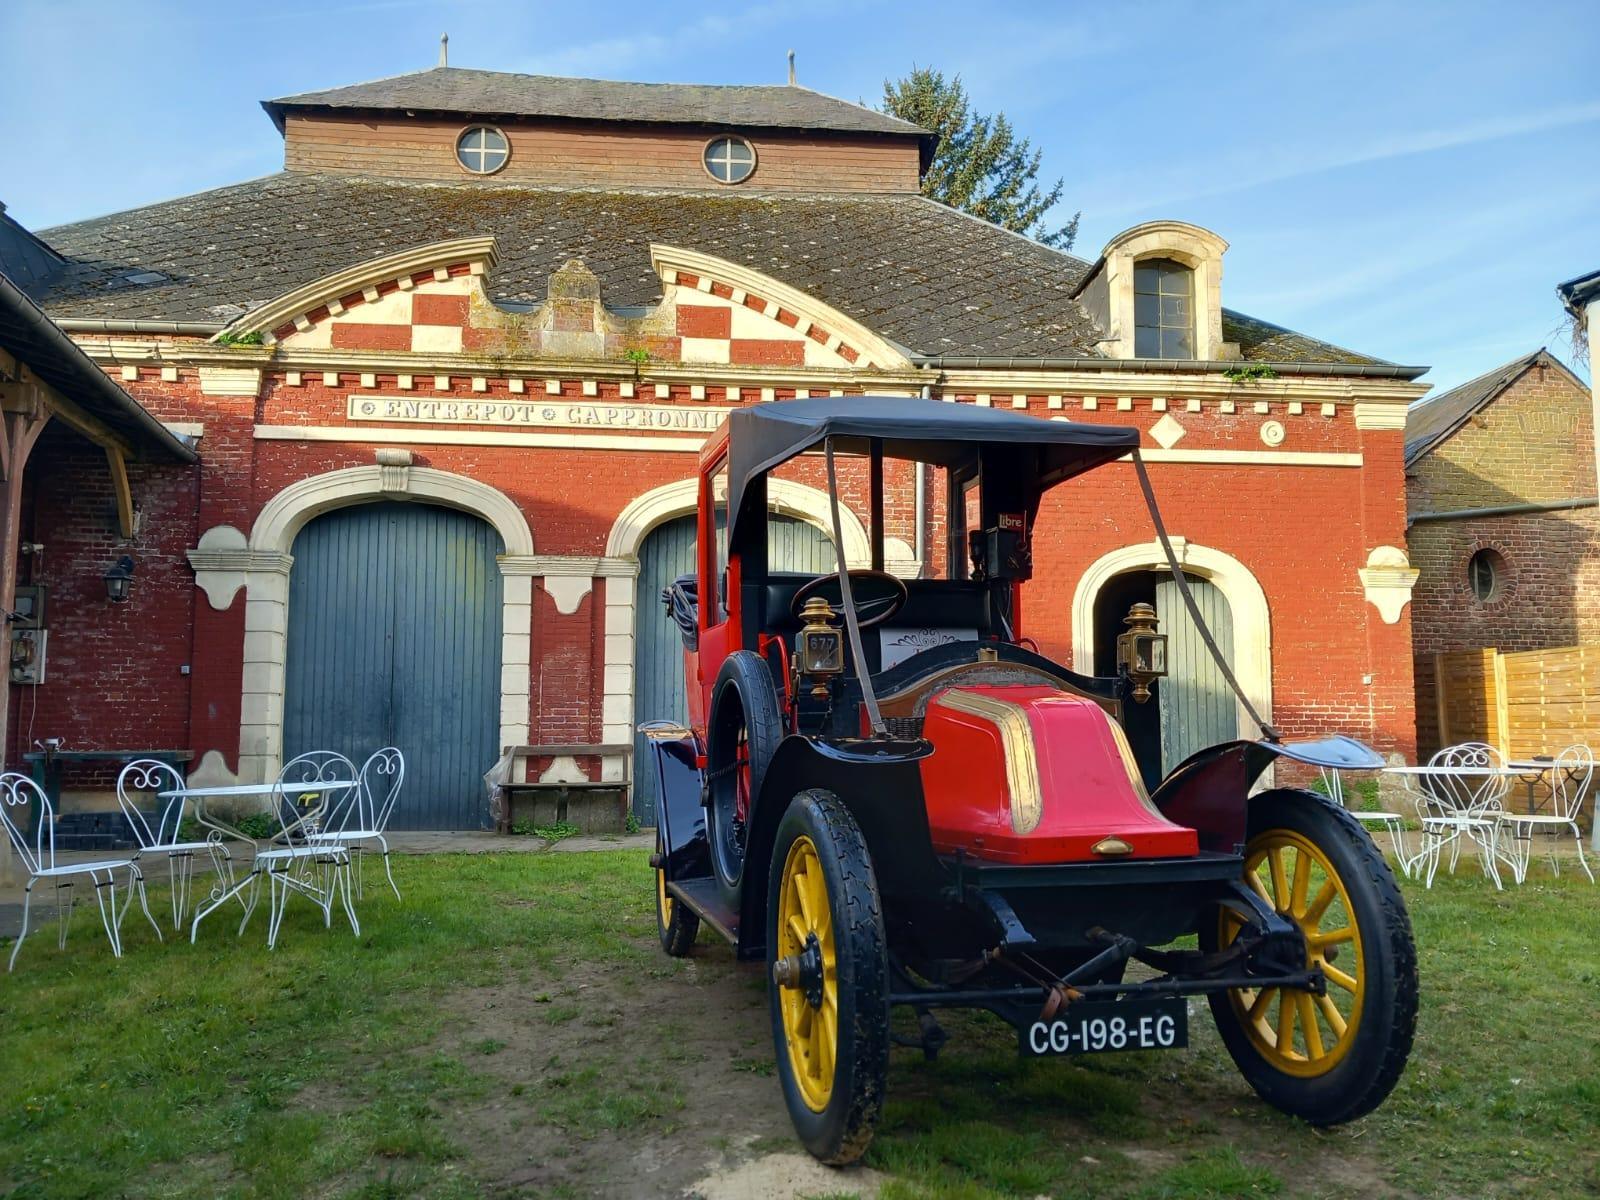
<point x="1163" y="309"/>
<point x="482" y="150"/>
<point x="730" y="160"/>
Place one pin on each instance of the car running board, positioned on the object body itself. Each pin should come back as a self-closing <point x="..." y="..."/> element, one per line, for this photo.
<point x="705" y="902"/>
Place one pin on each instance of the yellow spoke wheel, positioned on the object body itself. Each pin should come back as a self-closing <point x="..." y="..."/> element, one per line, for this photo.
<point x="1295" y="1031"/>
<point x="811" y="1007"/>
<point x="1334" y="1057"/>
<point x="676" y="924"/>
<point x="829" y="963"/>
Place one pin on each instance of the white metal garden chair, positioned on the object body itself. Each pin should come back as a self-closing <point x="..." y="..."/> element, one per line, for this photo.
<point x="1461" y="799"/>
<point x="164" y="836"/>
<point x="1570" y="779"/>
<point x="293" y="862"/>
<point x="38" y="855"/>
<point x="365" y="814"/>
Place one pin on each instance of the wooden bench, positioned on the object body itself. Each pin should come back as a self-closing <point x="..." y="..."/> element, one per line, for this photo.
<point x="593" y="805"/>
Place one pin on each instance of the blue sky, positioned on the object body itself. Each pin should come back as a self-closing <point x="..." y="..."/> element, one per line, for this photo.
<point x="1407" y="180"/>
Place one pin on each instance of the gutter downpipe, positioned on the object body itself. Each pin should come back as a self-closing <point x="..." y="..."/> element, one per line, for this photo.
<point x="921" y="536"/>
<point x="1000" y="362"/>
<point x="1507" y="510"/>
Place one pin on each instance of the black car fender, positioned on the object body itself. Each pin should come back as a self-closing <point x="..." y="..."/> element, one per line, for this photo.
<point x="880" y="782"/>
<point x="1210" y="791"/>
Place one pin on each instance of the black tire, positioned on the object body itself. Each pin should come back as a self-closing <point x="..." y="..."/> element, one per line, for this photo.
<point x="676" y="926"/>
<point x="745" y="723"/>
<point x="1359" y="1066"/>
<point x="840" y="1130"/>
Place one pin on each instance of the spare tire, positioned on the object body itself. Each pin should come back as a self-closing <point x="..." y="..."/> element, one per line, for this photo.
<point x="742" y="735"/>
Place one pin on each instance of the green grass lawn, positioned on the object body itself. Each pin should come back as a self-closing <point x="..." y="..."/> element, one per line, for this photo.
<point x="513" y="1029"/>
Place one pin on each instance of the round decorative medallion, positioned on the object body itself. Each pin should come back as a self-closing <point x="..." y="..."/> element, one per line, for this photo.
<point x="1272" y="433"/>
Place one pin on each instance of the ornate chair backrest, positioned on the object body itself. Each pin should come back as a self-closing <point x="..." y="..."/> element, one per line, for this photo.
<point x="382" y="776"/>
<point x="1471" y="795"/>
<point x="1570" y="779"/>
<point x="16" y="793"/>
<point x="153" y="776"/>
<point x="294" y="806"/>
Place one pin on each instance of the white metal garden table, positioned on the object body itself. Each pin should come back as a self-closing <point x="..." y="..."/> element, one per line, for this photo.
<point x="242" y="792"/>
<point x="1457" y="802"/>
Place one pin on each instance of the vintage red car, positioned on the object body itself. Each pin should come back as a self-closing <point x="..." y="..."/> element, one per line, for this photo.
<point x="964" y="824"/>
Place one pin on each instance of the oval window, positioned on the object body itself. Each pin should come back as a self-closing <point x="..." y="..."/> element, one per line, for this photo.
<point x="729" y="159"/>
<point x="483" y="149"/>
<point x="1486" y="573"/>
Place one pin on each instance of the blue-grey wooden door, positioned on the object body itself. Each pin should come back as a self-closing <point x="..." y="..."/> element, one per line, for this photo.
<point x="667" y="553"/>
<point x="1197" y="708"/>
<point x="394" y="639"/>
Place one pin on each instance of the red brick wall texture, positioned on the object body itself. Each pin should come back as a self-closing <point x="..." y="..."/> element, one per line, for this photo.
<point x="1534" y="444"/>
<point x="117" y="671"/>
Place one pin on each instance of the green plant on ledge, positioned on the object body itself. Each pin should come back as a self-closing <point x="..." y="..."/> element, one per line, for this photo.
<point x="239" y="339"/>
<point x="1250" y="373"/>
<point x="638" y="356"/>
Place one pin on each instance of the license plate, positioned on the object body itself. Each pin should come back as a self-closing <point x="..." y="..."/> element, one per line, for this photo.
<point x="1092" y="1026"/>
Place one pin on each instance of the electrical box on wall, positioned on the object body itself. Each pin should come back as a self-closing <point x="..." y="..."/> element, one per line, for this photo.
<point x="27" y="655"/>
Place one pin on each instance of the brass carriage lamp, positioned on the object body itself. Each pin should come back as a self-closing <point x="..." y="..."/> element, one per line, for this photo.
<point x="819" y="648"/>
<point x="1141" y="651"/>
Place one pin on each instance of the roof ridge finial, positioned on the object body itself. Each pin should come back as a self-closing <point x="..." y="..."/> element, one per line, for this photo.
<point x="444" y="49"/>
<point x="791" y="68"/>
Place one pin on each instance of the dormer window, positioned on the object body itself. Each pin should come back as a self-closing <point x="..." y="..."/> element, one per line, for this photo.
<point x="1163" y="309"/>
<point x="1157" y="293"/>
<point x="729" y="159"/>
<point x="482" y="149"/>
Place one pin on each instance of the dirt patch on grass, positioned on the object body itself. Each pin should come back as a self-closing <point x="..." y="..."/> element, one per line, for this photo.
<point x="611" y="1081"/>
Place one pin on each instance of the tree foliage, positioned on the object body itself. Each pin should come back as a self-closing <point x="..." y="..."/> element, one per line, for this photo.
<point x="981" y="166"/>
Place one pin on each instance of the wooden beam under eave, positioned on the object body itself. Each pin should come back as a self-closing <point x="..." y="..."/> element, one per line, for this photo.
<point x="91" y="427"/>
<point x="122" y="491"/>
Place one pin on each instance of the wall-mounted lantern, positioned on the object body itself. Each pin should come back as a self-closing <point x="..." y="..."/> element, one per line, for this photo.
<point x="119" y="580"/>
<point x="1142" y="652"/>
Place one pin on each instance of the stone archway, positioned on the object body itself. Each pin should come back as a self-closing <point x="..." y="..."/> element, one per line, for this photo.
<point x="643" y="514"/>
<point x="226" y="561"/>
<point x="1252" y="621"/>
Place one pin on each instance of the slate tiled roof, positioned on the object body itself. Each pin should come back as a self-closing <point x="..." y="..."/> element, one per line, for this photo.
<point x="1431" y="421"/>
<point x="923" y="275"/>
<point x="458" y="90"/>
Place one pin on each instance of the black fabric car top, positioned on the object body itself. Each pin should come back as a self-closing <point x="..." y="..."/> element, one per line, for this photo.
<point x="931" y="431"/>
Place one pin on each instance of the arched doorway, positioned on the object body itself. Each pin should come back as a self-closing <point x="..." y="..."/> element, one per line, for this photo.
<point x="1191" y="708"/>
<point x="1235" y="607"/>
<point x="394" y="638"/>
<point x="666" y="553"/>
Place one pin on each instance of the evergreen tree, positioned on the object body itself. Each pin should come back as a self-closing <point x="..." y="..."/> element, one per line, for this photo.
<point x="980" y="166"/>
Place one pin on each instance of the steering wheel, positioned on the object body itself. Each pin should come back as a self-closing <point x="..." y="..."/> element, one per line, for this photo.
<point x="878" y="595"/>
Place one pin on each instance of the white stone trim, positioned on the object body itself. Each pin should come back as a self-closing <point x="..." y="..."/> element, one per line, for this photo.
<point x="293" y="305"/>
<point x="230" y="381"/>
<point x="474" y="437"/>
<point x="1252" y="622"/>
<point x="874" y="350"/>
<point x="1380" y="416"/>
<point x="266" y="582"/>
<point x="1387" y="580"/>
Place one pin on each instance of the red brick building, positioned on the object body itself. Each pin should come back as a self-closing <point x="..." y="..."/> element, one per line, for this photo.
<point x="1500" y="484"/>
<point x="447" y="373"/>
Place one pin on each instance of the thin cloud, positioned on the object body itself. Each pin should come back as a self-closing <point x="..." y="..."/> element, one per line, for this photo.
<point x="612" y="57"/>
<point x="1384" y="149"/>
